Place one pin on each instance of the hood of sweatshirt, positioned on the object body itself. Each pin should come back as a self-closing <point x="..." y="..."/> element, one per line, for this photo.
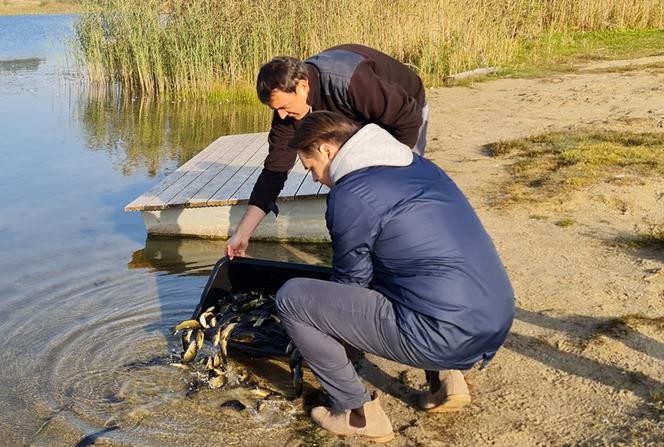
<point x="370" y="146"/>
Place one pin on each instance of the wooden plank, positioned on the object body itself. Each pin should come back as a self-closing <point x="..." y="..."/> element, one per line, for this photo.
<point x="221" y="197"/>
<point x="204" y="186"/>
<point x="174" y="176"/>
<point x="212" y="153"/>
<point x="295" y="178"/>
<point x="309" y="188"/>
<point x="453" y="79"/>
<point x="244" y="191"/>
<point x="177" y="194"/>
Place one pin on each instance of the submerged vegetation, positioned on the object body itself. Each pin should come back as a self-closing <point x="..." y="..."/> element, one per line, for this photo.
<point x="208" y="47"/>
<point x="552" y="164"/>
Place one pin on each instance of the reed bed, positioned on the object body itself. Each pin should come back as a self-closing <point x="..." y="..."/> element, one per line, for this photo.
<point x="198" y="47"/>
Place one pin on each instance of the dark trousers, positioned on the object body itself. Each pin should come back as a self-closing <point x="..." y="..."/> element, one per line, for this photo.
<point x="318" y="315"/>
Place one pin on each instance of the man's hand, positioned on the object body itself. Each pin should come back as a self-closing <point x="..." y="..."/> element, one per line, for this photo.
<point x="238" y="243"/>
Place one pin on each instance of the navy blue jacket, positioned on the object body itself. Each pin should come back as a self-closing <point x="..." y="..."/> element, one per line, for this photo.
<point x="409" y="232"/>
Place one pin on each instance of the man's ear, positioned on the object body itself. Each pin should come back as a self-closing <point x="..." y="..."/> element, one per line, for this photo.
<point x="327" y="151"/>
<point x="302" y="83"/>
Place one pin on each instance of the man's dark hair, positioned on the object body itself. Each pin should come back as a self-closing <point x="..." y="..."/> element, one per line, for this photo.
<point x="322" y="127"/>
<point x="281" y="73"/>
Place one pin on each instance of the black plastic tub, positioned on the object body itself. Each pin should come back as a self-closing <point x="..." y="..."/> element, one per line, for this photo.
<point x="246" y="274"/>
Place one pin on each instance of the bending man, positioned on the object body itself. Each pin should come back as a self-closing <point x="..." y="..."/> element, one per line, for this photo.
<point x="362" y="84"/>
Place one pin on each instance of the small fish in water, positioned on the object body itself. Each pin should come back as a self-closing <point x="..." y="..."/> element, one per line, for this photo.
<point x="243" y="375"/>
<point x="190" y="354"/>
<point x="187" y="324"/>
<point x="254" y="304"/>
<point x="200" y="336"/>
<point x="213" y="334"/>
<point x="234" y="404"/>
<point x="217" y="360"/>
<point x="262" y="392"/>
<point x="262" y="405"/>
<point x="179" y="365"/>
<point x="186" y="338"/>
<point x="217" y="378"/>
<point x="225" y="334"/>
<point x="259" y="322"/>
<point x="203" y="319"/>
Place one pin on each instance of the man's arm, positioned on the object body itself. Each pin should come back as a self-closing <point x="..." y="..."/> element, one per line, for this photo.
<point x="278" y="162"/>
<point x="353" y="229"/>
<point x="386" y="104"/>
<point x="238" y="243"/>
<point x="268" y="186"/>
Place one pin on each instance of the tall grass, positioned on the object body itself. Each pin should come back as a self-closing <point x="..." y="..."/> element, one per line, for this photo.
<point x="201" y="46"/>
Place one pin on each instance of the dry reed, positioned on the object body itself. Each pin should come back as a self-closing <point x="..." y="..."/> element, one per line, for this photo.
<point x="191" y="47"/>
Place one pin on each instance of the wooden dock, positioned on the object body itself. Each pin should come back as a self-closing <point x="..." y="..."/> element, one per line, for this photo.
<point x="207" y="196"/>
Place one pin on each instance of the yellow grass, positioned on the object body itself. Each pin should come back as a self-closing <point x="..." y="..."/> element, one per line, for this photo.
<point x="203" y="45"/>
<point x="551" y="165"/>
<point x="17" y="7"/>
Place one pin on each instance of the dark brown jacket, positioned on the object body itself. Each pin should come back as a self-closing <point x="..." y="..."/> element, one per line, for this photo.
<point x="362" y="84"/>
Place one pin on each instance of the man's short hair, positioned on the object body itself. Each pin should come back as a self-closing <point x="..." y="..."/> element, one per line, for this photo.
<point x="281" y="73"/>
<point x="322" y="127"/>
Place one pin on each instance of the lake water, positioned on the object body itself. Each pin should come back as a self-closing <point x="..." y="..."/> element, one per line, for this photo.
<point x="86" y="300"/>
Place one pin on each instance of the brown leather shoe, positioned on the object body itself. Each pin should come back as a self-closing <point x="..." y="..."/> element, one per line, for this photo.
<point x="452" y="396"/>
<point x="377" y="428"/>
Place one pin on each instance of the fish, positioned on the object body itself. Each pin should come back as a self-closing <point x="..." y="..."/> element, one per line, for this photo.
<point x="217" y="378"/>
<point x="262" y="392"/>
<point x="217" y="360"/>
<point x="234" y="404"/>
<point x="262" y="406"/>
<point x="225" y="334"/>
<point x="190" y="354"/>
<point x="213" y="334"/>
<point x="243" y="375"/>
<point x="186" y="338"/>
<point x="259" y="322"/>
<point x="203" y="319"/>
<point x="254" y="304"/>
<point x="227" y="318"/>
<point x="187" y="324"/>
<point x="200" y="336"/>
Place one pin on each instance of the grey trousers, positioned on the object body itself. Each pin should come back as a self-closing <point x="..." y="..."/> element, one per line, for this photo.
<point x="421" y="144"/>
<point x="319" y="314"/>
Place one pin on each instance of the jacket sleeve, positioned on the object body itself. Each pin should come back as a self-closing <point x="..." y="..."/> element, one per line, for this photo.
<point x="353" y="228"/>
<point x="266" y="190"/>
<point x="278" y="162"/>
<point x="386" y="104"/>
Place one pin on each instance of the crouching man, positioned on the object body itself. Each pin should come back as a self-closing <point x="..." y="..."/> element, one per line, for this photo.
<point x="416" y="278"/>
